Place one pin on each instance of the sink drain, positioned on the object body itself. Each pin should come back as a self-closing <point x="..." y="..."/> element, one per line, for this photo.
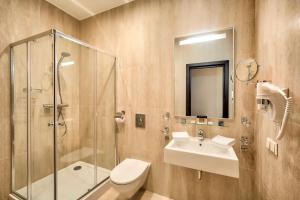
<point x="77" y="168"/>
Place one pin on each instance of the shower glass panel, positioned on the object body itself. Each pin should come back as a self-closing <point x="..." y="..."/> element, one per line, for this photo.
<point x="41" y="134"/>
<point x="75" y="157"/>
<point x="63" y="129"/>
<point x="20" y="119"/>
<point x="33" y="142"/>
<point x="105" y="107"/>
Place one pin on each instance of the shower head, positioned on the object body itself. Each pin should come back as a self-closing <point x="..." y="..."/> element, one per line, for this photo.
<point x="65" y="54"/>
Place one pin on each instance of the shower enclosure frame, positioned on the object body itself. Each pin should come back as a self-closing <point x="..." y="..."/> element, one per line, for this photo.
<point x="55" y="33"/>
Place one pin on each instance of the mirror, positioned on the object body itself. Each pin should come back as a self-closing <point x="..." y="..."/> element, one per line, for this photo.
<point x="204" y="74"/>
<point x="246" y="70"/>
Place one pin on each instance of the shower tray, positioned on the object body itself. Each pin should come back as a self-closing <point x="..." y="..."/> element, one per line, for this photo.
<point x="73" y="183"/>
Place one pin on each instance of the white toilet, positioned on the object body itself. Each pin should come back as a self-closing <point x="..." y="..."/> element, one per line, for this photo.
<point x="129" y="176"/>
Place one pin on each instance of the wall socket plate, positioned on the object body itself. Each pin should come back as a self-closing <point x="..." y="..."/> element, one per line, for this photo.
<point x="272" y="146"/>
<point x="244" y="143"/>
<point x="140" y="120"/>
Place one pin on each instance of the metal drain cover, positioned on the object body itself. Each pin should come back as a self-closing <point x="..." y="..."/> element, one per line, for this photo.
<point x="77" y="168"/>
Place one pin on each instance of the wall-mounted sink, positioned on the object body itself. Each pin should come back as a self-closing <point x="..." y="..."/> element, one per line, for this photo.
<point x="208" y="157"/>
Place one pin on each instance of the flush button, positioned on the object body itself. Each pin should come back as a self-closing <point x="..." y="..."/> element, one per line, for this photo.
<point x="140" y="120"/>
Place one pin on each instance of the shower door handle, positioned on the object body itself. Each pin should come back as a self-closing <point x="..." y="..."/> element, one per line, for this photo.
<point x="59" y="124"/>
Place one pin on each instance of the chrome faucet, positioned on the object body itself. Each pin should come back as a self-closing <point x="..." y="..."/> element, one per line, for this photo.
<point x="200" y="135"/>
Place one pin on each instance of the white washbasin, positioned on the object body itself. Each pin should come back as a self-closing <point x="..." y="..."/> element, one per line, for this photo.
<point x="207" y="157"/>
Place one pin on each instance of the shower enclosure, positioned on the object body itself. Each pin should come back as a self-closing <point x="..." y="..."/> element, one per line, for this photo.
<point x="63" y="107"/>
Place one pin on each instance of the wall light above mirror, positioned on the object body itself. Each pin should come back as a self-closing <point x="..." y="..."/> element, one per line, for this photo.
<point x="204" y="75"/>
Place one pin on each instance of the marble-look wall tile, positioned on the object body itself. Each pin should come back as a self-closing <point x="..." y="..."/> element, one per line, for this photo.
<point x="5" y="178"/>
<point x="5" y="138"/>
<point x="277" y="52"/>
<point x="142" y="34"/>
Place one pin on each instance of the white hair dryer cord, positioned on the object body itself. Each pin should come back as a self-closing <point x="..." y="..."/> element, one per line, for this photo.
<point x="288" y="109"/>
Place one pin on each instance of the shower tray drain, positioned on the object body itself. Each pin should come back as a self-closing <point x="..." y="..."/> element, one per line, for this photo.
<point x="77" y="168"/>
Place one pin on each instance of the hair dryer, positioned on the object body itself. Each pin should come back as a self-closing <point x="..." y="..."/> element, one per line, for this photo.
<point x="281" y="104"/>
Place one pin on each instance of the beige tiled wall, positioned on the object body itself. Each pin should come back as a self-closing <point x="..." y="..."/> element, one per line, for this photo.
<point x="20" y="19"/>
<point x="277" y="52"/>
<point x="141" y="34"/>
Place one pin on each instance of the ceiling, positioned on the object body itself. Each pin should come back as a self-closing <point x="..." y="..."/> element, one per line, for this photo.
<point x="82" y="9"/>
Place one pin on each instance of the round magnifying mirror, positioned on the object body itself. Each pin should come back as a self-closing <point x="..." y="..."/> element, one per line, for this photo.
<point x="246" y="70"/>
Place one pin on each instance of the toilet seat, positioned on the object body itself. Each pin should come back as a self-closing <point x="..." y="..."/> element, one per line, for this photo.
<point x="128" y="171"/>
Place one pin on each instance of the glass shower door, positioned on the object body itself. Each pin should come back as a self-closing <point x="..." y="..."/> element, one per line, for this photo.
<point x="75" y="119"/>
<point x="106" y="109"/>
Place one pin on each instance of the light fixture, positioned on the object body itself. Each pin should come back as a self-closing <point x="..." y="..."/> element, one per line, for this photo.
<point x="67" y="63"/>
<point x="202" y="38"/>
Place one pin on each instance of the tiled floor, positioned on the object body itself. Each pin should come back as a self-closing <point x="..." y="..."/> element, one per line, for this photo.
<point x="112" y="194"/>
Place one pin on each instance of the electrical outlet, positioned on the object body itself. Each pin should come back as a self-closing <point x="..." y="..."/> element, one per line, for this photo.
<point x="244" y="142"/>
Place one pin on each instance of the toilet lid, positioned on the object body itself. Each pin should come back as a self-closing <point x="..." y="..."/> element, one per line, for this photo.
<point x="128" y="171"/>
